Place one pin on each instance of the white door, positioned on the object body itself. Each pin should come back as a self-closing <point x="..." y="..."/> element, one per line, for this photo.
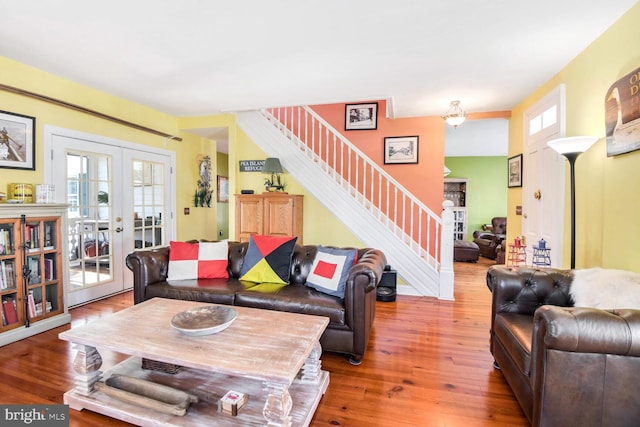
<point x="543" y="176"/>
<point x="120" y="200"/>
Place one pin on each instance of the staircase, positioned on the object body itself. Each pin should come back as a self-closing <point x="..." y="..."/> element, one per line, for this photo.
<point x="376" y="208"/>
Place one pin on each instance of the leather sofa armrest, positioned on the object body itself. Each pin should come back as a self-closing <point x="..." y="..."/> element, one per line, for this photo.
<point x="485" y="235"/>
<point x="148" y="267"/>
<point x="587" y="330"/>
<point x="368" y="270"/>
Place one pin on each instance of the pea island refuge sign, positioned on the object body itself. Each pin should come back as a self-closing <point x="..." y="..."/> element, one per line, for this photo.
<point x="251" y="165"/>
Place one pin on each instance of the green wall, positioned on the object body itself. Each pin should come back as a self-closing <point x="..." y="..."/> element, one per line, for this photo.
<point x="487" y="188"/>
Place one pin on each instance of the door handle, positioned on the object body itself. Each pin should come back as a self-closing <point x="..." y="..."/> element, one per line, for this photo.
<point x="118" y="230"/>
<point x="537" y="195"/>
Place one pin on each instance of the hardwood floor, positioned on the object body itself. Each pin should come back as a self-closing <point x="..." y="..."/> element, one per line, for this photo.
<point x="428" y="364"/>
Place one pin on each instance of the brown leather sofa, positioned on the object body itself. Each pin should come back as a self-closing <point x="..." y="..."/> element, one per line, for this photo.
<point x="489" y="241"/>
<point x="567" y="366"/>
<point x="350" y="319"/>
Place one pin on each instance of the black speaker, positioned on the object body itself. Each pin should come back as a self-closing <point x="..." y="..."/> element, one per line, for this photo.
<point x="246" y="191"/>
<point x="386" y="291"/>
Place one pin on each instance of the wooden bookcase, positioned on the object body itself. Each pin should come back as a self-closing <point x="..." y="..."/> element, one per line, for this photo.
<point x="33" y="269"/>
<point x="272" y="214"/>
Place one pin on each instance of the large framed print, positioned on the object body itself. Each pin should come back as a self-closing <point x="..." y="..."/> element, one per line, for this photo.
<point x="622" y="115"/>
<point x="515" y="171"/>
<point x="361" y="116"/>
<point x="401" y="149"/>
<point x="17" y="141"/>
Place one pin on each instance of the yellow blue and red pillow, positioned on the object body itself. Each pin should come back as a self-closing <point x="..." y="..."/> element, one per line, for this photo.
<point x="268" y="259"/>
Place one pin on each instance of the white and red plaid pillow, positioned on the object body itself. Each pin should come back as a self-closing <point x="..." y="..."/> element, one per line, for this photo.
<point x="203" y="260"/>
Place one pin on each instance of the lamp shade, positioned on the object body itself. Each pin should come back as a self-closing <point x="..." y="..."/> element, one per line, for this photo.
<point x="573" y="144"/>
<point x="272" y="165"/>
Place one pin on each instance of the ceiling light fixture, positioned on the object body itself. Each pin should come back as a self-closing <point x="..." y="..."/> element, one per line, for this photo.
<point x="455" y="116"/>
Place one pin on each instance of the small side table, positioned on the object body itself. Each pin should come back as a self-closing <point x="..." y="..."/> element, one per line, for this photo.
<point x="541" y="256"/>
<point x="517" y="255"/>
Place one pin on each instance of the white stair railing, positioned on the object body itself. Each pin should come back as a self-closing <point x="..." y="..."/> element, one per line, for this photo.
<point x="385" y="198"/>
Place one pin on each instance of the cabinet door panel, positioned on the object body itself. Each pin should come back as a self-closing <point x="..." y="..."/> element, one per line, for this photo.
<point x="250" y="221"/>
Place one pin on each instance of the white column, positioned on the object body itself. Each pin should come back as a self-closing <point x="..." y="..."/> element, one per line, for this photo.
<point x="446" y="252"/>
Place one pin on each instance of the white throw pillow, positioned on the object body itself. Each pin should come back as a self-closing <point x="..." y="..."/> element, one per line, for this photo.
<point x="605" y="288"/>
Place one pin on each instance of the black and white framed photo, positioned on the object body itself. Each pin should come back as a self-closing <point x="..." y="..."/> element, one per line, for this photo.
<point x="401" y="149"/>
<point x="515" y="171"/>
<point x="361" y="116"/>
<point x="17" y="141"/>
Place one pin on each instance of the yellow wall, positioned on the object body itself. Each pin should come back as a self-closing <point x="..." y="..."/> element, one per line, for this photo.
<point x="27" y="78"/>
<point x="607" y="205"/>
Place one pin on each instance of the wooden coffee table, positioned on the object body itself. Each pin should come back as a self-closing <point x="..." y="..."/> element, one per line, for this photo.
<point x="272" y="356"/>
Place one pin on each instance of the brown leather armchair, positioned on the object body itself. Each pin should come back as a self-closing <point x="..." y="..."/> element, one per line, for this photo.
<point x="489" y="241"/>
<point x="566" y="366"/>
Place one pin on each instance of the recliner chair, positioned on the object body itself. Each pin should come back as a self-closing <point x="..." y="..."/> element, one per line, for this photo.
<point x="489" y="241"/>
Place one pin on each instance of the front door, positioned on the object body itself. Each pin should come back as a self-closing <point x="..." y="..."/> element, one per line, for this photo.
<point x="119" y="200"/>
<point x="543" y="172"/>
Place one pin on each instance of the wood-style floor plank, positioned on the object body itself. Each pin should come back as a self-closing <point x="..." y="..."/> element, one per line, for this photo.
<point x="428" y="364"/>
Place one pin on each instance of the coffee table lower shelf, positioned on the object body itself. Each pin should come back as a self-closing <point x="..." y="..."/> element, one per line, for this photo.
<point x="305" y="397"/>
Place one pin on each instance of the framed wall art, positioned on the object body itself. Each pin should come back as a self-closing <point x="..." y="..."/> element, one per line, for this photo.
<point x="401" y="149"/>
<point x="361" y="116"/>
<point x="17" y="141"/>
<point x="223" y="189"/>
<point x="515" y="171"/>
<point x="622" y="115"/>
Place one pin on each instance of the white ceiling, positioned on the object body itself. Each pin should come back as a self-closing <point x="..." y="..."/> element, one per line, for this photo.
<point x="197" y="57"/>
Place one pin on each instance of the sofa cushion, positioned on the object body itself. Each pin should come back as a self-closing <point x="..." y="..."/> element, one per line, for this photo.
<point x="198" y="260"/>
<point x="293" y="298"/>
<point x="605" y="288"/>
<point x="330" y="270"/>
<point x="217" y="291"/>
<point x="514" y="332"/>
<point x="268" y="259"/>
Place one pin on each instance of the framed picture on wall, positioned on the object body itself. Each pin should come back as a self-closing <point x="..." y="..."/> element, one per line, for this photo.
<point x="401" y="149"/>
<point x="361" y="116"/>
<point x="223" y="189"/>
<point x="17" y="141"/>
<point x="515" y="171"/>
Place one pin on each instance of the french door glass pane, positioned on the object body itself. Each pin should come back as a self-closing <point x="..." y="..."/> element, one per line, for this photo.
<point x="148" y="203"/>
<point x="88" y="190"/>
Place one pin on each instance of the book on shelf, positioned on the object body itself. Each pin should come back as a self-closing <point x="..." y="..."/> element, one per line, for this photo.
<point x="10" y="311"/>
<point x="48" y="269"/>
<point x="34" y="268"/>
<point x="38" y="307"/>
<point x="7" y="278"/>
<point x="232" y="402"/>
<point x="48" y="236"/>
<point x="3" y="276"/>
<point x="32" y="305"/>
<point x="5" y="242"/>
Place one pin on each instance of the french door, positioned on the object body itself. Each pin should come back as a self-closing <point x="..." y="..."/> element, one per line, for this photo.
<point x="120" y="199"/>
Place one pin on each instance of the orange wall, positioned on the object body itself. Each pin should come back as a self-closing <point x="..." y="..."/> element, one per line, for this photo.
<point x="424" y="179"/>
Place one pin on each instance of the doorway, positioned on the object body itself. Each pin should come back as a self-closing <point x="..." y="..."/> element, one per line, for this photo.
<point x="120" y="198"/>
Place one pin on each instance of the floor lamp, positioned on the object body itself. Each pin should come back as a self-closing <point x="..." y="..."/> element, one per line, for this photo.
<point x="571" y="148"/>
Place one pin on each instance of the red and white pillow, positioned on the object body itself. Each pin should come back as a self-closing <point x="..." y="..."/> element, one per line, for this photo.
<point x="330" y="270"/>
<point x="202" y="260"/>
